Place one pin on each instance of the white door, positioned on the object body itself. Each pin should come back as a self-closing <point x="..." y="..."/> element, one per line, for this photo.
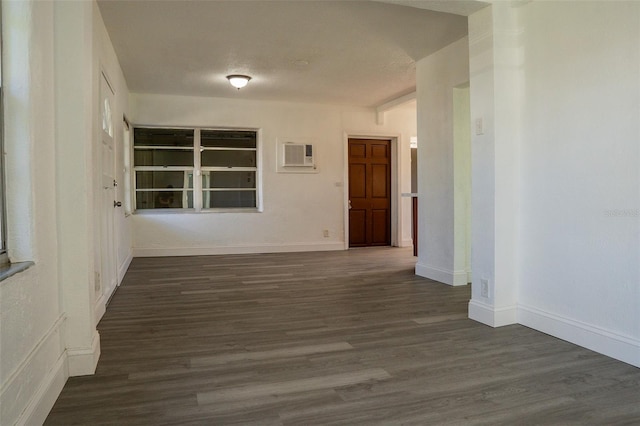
<point x="108" y="268"/>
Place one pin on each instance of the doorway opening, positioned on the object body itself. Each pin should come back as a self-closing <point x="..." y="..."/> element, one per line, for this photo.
<point x="462" y="183"/>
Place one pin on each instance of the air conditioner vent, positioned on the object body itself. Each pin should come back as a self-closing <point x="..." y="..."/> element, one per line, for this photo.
<point x="298" y="155"/>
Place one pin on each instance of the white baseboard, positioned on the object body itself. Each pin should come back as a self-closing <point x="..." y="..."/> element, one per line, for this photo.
<point x="454" y="278"/>
<point x="101" y="304"/>
<point x="33" y="386"/>
<point x="100" y="308"/>
<point x="42" y="403"/>
<point x="122" y="269"/>
<point x="248" y="249"/>
<point x="622" y="348"/>
<point x="406" y="243"/>
<point x="492" y="316"/>
<point x="83" y="361"/>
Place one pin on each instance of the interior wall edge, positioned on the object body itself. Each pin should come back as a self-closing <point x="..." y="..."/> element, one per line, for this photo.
<point x="83" y="361"/>
<point x="491" y="315"/>
<point x="445" y="276"/>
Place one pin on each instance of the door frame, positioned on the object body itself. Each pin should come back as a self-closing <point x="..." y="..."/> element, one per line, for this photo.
<point x="102" y="299"/>
<point x="396" y="205"/>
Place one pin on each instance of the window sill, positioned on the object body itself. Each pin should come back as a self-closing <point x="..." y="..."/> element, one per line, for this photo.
<point x="11" y="269"/>
<point x="143" y="212"/>
<point x="233" y="210"/>
<point x="192" y="211"/>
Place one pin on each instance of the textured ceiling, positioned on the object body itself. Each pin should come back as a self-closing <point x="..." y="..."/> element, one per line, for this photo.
<point x="338" y="52"/>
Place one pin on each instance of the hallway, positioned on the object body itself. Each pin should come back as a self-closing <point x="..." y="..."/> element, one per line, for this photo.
<point x="349" y="337"/>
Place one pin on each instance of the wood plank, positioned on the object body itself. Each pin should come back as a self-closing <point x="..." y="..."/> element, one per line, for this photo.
<point x="270" y="354"/>
<point x="292" y="386"/>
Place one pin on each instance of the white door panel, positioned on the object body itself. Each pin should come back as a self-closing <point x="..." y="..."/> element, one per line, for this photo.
<point x="108" y="267"/>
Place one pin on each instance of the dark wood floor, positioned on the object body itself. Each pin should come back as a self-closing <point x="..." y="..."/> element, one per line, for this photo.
<point x="328" y="338"/>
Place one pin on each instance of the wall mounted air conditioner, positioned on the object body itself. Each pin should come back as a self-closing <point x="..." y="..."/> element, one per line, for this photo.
<point x="298" y="155"/>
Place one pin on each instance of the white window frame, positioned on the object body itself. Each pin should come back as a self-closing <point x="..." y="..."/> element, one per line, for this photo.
<point x="197" y="171"/>
<point x="4" y="257"/>
<point x="210" y="169"/>
<point x="184" y="169"/>
<point x="127" y="163"/>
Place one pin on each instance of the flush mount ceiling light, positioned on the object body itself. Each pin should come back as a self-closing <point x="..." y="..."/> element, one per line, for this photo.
<point x="238" y="80"/>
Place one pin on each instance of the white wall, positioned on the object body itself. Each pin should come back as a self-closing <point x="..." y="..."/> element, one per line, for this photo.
<point x="556" y="183"/>
<point x="297" y="207"/>
<point x="437" y="76"/>
<point x="580" y="163"/>
<point x="47" y="327"/>
<point x="31" y="319"/>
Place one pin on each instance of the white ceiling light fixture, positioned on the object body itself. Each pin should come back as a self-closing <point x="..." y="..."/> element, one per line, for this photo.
<point x="238" y="80"/>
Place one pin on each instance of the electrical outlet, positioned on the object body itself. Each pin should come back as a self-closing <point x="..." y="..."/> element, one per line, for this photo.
<point x="484" y="287"/>
<point x="325" y="233"/>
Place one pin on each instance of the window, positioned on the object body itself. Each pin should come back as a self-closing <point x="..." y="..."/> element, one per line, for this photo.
<point x="164" y="165"/>
<point x="7" y="269"/>
<point x="225" y="162"/>
<point x="229" y="165"/>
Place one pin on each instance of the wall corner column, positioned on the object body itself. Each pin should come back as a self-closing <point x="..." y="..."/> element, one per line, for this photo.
<point x="495" y="56"/>
<point x="437" y="77"/>
<point x="74" y="109"/>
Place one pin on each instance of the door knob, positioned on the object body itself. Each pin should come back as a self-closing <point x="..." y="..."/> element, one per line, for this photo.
<point x="117" y="204"/>
<point x="349" y="204"/>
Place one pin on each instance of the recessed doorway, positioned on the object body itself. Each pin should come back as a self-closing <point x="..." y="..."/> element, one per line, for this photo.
<point x="369" y="192"/>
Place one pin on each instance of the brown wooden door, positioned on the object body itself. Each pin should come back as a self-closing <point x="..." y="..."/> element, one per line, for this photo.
<point x="369" y="192"/>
